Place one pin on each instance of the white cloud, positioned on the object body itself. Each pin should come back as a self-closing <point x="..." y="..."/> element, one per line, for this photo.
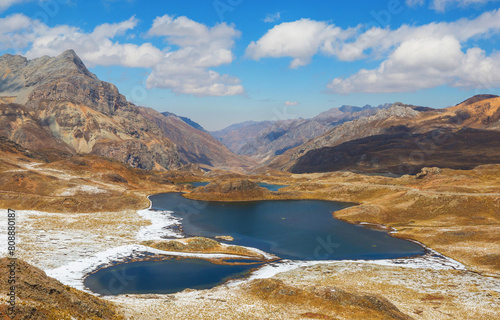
<point x="21" y="33"/>
<point x="272" y="17"/>
<point x="97" y="47"/>
<point x="414" y="57"/>
<point x="187" y="69"/>
<point x="184" y="70"/>
<point x="300" y="40"/>
<point x="5" y="4"/>
<point x="291" y="103"/>
<point x="17" y="31"/>
<point x="425" y="63"/>
<point x="442" y="5"/>
<point x="424" y="57"/>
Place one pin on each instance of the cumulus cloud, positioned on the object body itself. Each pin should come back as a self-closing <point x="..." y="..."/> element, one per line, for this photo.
<point x="413" y="57"/>
<point x="96" y="47"/>
<point x="291" y="103"/>
<point x="17" y="31"/>
<point x="187" y="69"/>
<point x="21" y="33"/>
<point x="184" y="70"/>
<point x="442" y="5"/>
<point x="300" y="40"/>
<point x="272" y="17"/>
<point x="6" y="4"/>
<point x="425" y="57"/>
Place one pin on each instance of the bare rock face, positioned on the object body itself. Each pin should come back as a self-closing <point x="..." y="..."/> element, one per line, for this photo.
<point x="49" y="104"/>
<point x="62" y="78"/>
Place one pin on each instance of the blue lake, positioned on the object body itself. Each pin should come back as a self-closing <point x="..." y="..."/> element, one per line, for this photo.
<point x="290" y="229"/>
<point x="162" y="277"/>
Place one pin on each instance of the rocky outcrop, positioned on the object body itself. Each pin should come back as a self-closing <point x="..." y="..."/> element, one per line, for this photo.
<point x="230" y="186"/>
<point x="230" y="190"/>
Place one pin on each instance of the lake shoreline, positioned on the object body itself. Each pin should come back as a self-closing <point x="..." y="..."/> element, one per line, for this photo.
<point x="425" y="260"/>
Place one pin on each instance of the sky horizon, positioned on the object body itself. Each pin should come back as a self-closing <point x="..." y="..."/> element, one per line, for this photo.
<point x="221" y="62"/>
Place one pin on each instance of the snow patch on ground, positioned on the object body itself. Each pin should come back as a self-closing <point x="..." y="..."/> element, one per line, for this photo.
<point x="82" y="188"/>
<point x="431" y="260"/>
<point x="162" y="224"/>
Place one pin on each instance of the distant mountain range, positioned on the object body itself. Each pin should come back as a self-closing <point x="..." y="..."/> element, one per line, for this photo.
<point x="403" y="139"/>
<point x="266" y="139"/>
<point x="57" y="107"/>
<point x="54" y="107"/>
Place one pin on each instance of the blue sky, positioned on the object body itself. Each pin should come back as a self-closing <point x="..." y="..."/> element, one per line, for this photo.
<point x="225" y="61"/>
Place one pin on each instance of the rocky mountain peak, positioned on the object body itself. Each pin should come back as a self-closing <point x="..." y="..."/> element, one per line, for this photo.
<point x="399" y="110"/>
<point x="69" y="60"/>
<point x="63" y="78"/>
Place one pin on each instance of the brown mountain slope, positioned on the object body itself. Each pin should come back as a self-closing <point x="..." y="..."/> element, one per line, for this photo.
<point x="400" y="134"/>
<point x="60" y="105"/>
<point x="42" y="297"/>
<point x="406" y="153"/>
<point x="86" y="183"/>
<point x="195" y="146"/>
<point x="397" y="117"/>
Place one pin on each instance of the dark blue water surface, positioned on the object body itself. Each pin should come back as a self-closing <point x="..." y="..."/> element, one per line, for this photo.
<point x="162" y="277"/>
<point x="291" y="229"/>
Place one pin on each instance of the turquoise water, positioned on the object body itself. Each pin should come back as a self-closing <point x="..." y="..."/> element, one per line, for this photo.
<point x="271" y="187"/>
<point x="290" y="229"/>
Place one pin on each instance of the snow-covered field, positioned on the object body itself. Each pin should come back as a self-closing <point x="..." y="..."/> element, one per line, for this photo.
<point x="68" y="250"/>
<point x="70" y="246"/>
